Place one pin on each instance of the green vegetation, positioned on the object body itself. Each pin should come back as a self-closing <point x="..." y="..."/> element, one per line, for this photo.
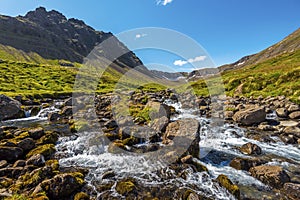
<point x="273" y="77"/>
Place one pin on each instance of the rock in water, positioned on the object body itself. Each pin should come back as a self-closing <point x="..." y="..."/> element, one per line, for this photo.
<point x="292" y="190"/>
<point x="10" y="108"/>
<point x="250" y="116"/>
<point x="184" y="134"/>
<point x="274" y="176"/>
<point x="250" y="149"/>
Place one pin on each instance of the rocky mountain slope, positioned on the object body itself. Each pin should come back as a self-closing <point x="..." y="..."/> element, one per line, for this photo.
<point x="50" y="35"/>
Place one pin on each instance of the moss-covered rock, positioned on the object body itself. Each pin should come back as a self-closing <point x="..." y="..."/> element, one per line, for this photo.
<point x="48" y="138"/>
<point x="226" y="183"/>
<point x="126" y="186"/>
<point x="46" y="150"/>
<point x="81" y="196"/>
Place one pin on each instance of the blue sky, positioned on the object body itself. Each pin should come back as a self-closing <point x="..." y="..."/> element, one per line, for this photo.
<point x="227" y="29"/>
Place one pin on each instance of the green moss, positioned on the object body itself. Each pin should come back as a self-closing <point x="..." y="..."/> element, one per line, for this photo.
<point x="125" y="187"/>
<point x="81" y="196"/>
<point x="130" y="141"/>
<point x="46" y="150"/>
<point x="18" y="197"/>
<point x="54" y="164"/>
<point x="49" y="138"/>
<point x="226" y="183"/>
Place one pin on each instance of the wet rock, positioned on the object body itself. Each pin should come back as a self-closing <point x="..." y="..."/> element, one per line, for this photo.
<point x="10" y="153"/>
<point x="250" y="116"/>
<point x="273" y="176"/>
<point x="10" y="108"/>
<point x="126" y="186"/>
<point x="46" y="150"/>
<point x="226" y="183"/>
<point x="36" y="133"/>
<point x="250" y="149"/>
<point x="187" y="159"/>
<point x="36" y="160"/>
<point x="288" y="139"/>
<point x="295" y="115"/>
<point x="293" y="108"/>
<point x="160" y="124"/>
<point x="52" y="117"/>
<point x="61" y="185"/>
<point x="3" y="163"/>
<point x="108" y="174"/>
<point x="289" y="123"/>
<point x="27" y="144"/>
<point x="67" y="111"/>
<point x="183" y="134"/>
<point x="292" y="130"/>
<point x="19" y="163"/>
<point x="245" y="163"/>
<point x="282" y="112"/>
<point x="292" y="190"/>
<point x="81" y="196"/>
<point x="158" y="110"/>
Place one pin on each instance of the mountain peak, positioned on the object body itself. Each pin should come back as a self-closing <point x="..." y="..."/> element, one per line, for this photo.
<point x="41" y="14"/>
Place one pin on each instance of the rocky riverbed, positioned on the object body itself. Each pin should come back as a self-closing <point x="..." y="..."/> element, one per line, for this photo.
<point x="142" y="145"/>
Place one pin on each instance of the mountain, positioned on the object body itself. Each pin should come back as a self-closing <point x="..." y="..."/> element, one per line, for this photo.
<point x="289" y="44"/>
<point x="50" y="35"/>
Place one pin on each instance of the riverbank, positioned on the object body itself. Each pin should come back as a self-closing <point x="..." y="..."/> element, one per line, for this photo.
<point x="166" y="145"/>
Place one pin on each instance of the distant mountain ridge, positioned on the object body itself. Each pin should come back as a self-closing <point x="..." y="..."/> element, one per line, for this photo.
<point x="52" y="36"/>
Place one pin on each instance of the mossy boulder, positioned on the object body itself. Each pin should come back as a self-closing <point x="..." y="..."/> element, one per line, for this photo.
<point x="46" y="150"/>
<point x="48" y="138"/>
<point x="116" y="147"/>
<point x="126" y="186"/>
<point x="81" y="196"/>
<point x="226" y="183"/>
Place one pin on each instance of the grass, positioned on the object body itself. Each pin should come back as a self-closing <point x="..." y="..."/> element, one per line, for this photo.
<point x="33" y="76"/>
<point x="273" y="77"/>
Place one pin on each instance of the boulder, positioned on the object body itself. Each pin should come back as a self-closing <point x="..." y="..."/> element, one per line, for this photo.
<point x="36" y="160"/>
<point x="245" y="163"/>
<point x="160" y="124"/>
<point x="184" y="134"/>
<point x="273" y="176"/>
<point x="10" y="108"/>
<point x="292" y="190"/>
<point x="27" y="144"/>
<point x="36" y="133"/>
<point x="61" y="185"/>
<point x="293" y="108"/>
<point x="226" y="183"/>
<point x="282" y="112"/>
<point x="158" y="110"/>
<point x="250" y="116"/>
<point x="10" y="153"/>
<point x="295" y="115"/>
<point x="250" y="149"/>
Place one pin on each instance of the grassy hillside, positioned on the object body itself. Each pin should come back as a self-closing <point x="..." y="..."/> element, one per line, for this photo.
<point x="276" y="76"/>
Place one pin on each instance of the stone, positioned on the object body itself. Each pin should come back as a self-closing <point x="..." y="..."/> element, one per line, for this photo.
<point x="61" y="185"/>
<point x="245" y="163"/>
<point x="27" y="144"/>
<point x="228" y="115"/>
<point x="273" y="176"/>
<point x="187" y="159"/>
<point x="10" y="153"/>
<point x="282" y="112"/>
<point x="250" y="149"/>
<point x="67" y="111"/>
<point x="292" y="190"/>
<point x="36" y="160"/>
<point x="36" y="133"/>
<point x="160" y="124"/>
<point x="19" y="163"/>
<point x="52" y="117"/>
<point x="250" y="116"/>
<point x="3" y="163"/>
<point x="293" y="108"/>
<point x="10" y="108"/>
<point x="295" y="115"/>
<point x="292" y="130"/>
<point x="225" y="182"/>
<point x="184" y="136"/>
<point x="158" y="110"/>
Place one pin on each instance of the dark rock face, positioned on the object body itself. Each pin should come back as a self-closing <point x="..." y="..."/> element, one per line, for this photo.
<point x="42" y="31"/>
<point x="250" y="149"/>
<point x="274" y="176"/>
<point x="10" y="108"/>
<point x="10" y="153"/>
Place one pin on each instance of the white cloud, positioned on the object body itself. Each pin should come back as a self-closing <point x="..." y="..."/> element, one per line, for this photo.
<point x="138" y="36"/>
<point x="163" y="2"/>
<point x="191" y="60"/>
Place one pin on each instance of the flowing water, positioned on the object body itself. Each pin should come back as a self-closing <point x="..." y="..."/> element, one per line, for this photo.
<point x="218" y="146"/>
